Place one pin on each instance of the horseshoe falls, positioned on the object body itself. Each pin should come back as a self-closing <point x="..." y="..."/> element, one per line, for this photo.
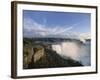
<point x="75" y="50"/>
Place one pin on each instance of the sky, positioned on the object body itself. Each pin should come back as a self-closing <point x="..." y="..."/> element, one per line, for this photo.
<point x="55" y="24"/>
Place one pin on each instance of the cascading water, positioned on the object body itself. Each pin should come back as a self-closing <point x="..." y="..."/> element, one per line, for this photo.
<point x="75" y="50"/>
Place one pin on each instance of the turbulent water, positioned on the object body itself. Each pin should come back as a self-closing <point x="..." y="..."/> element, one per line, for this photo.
<point x="77" y="51"/>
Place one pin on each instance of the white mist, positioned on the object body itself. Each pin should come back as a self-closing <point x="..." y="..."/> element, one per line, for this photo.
<point x="77" y="51"/>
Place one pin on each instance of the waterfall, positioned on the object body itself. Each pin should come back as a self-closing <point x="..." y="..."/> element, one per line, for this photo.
<point x="77" y="51"/>
<point x="57" y="48"/>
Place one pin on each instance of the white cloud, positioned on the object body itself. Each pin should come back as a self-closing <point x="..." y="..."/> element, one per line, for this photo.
<point x="85" y="36"/>
<point x="30" y="26"/>
<point x="34" y="29"/>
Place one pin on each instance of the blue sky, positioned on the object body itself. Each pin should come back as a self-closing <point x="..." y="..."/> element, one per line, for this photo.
<point x="46" y="23"/>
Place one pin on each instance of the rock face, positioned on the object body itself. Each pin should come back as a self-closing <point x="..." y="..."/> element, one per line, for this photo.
<point x="40" y="55"/>
<point x="50" y="59"/>
<point x="27" y="56"/>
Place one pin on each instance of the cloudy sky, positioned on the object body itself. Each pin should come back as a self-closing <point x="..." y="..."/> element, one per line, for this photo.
<point x="55" y="24"/>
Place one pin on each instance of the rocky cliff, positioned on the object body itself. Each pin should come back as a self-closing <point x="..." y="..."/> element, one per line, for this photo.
<point x="51" y="59"/>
